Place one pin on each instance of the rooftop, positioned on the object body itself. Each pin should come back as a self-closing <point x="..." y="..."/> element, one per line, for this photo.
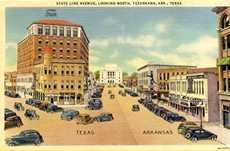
<point x="152" y="64"/>
<point x="56" y="22"/>
<point x="219" y="9"/>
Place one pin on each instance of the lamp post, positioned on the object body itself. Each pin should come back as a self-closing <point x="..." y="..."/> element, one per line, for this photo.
<point x="201" y="105"/>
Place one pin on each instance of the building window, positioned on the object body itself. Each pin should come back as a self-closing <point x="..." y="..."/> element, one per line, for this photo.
<point x="45" y="70"/>
<point x="39" y="49"/>
<point x="228" y="41"/>
<point x="54" y="42"/>
<point x="47" y="30"/>
<point x="47" y="42"/>
<point x="61" y="50"/>
<point x="54" y="50"/>
<point x="225" y="21"/>
<point x="75" y="44"/>
<point x="68" y="51"/>
<point x="61" y="43"/>
<point x="40" y="41"/>
<point x="223" y="43"/>
<point x="61" y="31"/>
<point x="72" y="72"/>
<point x="40" y="30"/>
<point x="54" y="30"/>
<point x="75" y="51"/>
<point x="55" y="86"/>
<point x="68" y="43"/>
<point x="68" y="32"/>
<point x="45" y="86"/>
<point x="75" y="32"/>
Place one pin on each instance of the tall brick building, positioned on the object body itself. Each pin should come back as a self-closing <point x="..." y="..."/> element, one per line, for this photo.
<point x="67" y="43"/>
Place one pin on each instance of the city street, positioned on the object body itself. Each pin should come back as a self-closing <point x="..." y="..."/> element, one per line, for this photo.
<point x="127" y="128"/>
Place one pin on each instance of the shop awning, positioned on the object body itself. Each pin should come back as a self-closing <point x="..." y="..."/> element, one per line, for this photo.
<point x="224" y="61"/>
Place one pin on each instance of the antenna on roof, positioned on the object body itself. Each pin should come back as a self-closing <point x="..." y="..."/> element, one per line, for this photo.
<point x="51" y="13"/>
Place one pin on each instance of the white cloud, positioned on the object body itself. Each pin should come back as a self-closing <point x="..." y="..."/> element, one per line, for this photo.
<point x="110" y="21"/>
<point x="200" y="52"/>
<point x="11" y="68"/>
<point x="11" y="45"/>
<point x="145" y="41"/>
<point x="204" y="45"/>
<point x="162" y="27"/>
<point x="137" y="62"/>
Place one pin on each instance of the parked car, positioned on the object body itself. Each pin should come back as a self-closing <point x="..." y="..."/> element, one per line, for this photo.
<point x="84" y="119"/>
<point x="43" y="106"/>
<point x="18" y="106"/>
<point x="53" y="108"/>
<point x="141" y="100"/>
<point x="133" y="94"/>
<point x="172" y="117"/>
<point x="25" y="137"/>
<point x="69" y="114"/>
<point x="135" y="108"/>
<point x="9" y="113"/>
<point x="12" y="94"/>
<point x="96" y="95"/>
<point x="36" y="103"/>
<point x="13" y="121"/>
<point x="29" y="101"/>
<point x="31" y="114"/>
<point x="195" y="134"/>
<point x="104" y="117"/>
<point x="185" y="125"/>
<point x="160" y="111"/>
<point x="94" y="104"/>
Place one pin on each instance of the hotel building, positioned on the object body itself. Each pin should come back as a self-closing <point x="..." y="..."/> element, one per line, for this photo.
<point x="56" y="51"/>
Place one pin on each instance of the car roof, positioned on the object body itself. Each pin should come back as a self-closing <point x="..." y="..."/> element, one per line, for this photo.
<point x="29" y="131"/>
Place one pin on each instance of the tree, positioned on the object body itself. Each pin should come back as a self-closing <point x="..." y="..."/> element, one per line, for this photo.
<point x="124" y="74"/>
<point x="97" y="74"/>
<point x="134" y="75"/>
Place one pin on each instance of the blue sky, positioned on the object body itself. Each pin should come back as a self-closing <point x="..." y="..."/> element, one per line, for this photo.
<point x="130" y="37"/>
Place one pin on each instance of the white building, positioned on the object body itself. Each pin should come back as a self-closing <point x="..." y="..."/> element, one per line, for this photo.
<point x="195" y="94"/>
<point x="144" y="83"/>
<point x="25" y="85"/>
<point x="111" y="74"/>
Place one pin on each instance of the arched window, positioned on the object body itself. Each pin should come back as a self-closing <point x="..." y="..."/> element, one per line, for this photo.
<point x="225" y="21"/>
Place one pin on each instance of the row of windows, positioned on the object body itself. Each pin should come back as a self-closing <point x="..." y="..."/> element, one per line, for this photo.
<point x="165" y="76"/>
<point x="60" y="50"/>
<point x="24" y="79"/>
<point x="55" y="43"/>
<point x="197" y="87"/>
<point x="46" y="30"/>
<point x="62" y="86"/>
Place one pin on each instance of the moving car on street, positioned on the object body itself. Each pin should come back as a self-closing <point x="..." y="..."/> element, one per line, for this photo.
<point x="9" y="113"/>
<point x="25" y="137"/>
<point x="69" y="114"/>
<point x="112" y="96"/>
<point x="135" y="108"/>
<point x="18" y="106"/>
<point x="198" y="133"/>
<point x="84" y="119"/>
<point x="13" y="121"/>
<point x="104" y="117"/>
<point x="31" y="114"/>
<point x="53" y="108"/>
<point x="94" y="104"/>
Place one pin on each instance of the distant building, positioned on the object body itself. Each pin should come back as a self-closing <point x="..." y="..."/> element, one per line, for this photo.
<point x="25" y="85"/>
<point x="111" y="74"/>
<point x="198" y="87"/>
<point x="10" y="81"/>
<point x="145" y="86"/>
<point x="130" y="82"/>
<point x="223" y="63"/>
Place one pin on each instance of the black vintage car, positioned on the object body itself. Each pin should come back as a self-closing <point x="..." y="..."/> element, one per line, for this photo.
<point x="135" y="108"/>
<point x="104" y="117"/>
<point x="198" y="133"/>
<point x="8" y="113"/>
<point x="173" y="117"/>
<point x="25" y="137"/>
<point x="18" y="106"/>
<point x="13" y="121"/>
<point x="31" y="114"/>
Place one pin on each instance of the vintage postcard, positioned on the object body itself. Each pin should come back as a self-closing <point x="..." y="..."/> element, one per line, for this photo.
<point x="143" y="75"/>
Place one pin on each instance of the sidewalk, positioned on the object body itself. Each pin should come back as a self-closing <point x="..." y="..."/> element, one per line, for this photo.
<point x="222" y="133"/>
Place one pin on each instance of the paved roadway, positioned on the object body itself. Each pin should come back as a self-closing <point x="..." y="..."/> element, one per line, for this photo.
<point x="127" y="128"/>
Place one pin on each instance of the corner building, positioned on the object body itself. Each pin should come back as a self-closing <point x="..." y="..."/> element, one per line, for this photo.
<point x="57" y="52"/>
<point x="223" y="63"/>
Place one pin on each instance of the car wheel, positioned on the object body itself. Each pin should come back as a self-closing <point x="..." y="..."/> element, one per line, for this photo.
<point x="194" y="139"/>
<point x="213" y="138"/>
<point x="11" y="144"/>
<point x="187" y="135"/>
<point x="37" y="142"/>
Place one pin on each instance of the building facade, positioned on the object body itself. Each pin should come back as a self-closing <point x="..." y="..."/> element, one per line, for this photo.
<point x="111" y="74"/>
<point x="56" y="51"/>
<point x="223" y="63"/>
<point x="163" y="76"/>
<point x="25" y="85"/>
<point x="10" y="81"/>
<point x="196" y="94"/>
<point x="130" y="82"/>
<point x="148" y="72"/>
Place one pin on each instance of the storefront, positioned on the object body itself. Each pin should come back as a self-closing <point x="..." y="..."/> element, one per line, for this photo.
<point x="226" y="115"/>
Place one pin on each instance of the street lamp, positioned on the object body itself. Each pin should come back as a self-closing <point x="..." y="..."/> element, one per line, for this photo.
<point x="201" y="106"/>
